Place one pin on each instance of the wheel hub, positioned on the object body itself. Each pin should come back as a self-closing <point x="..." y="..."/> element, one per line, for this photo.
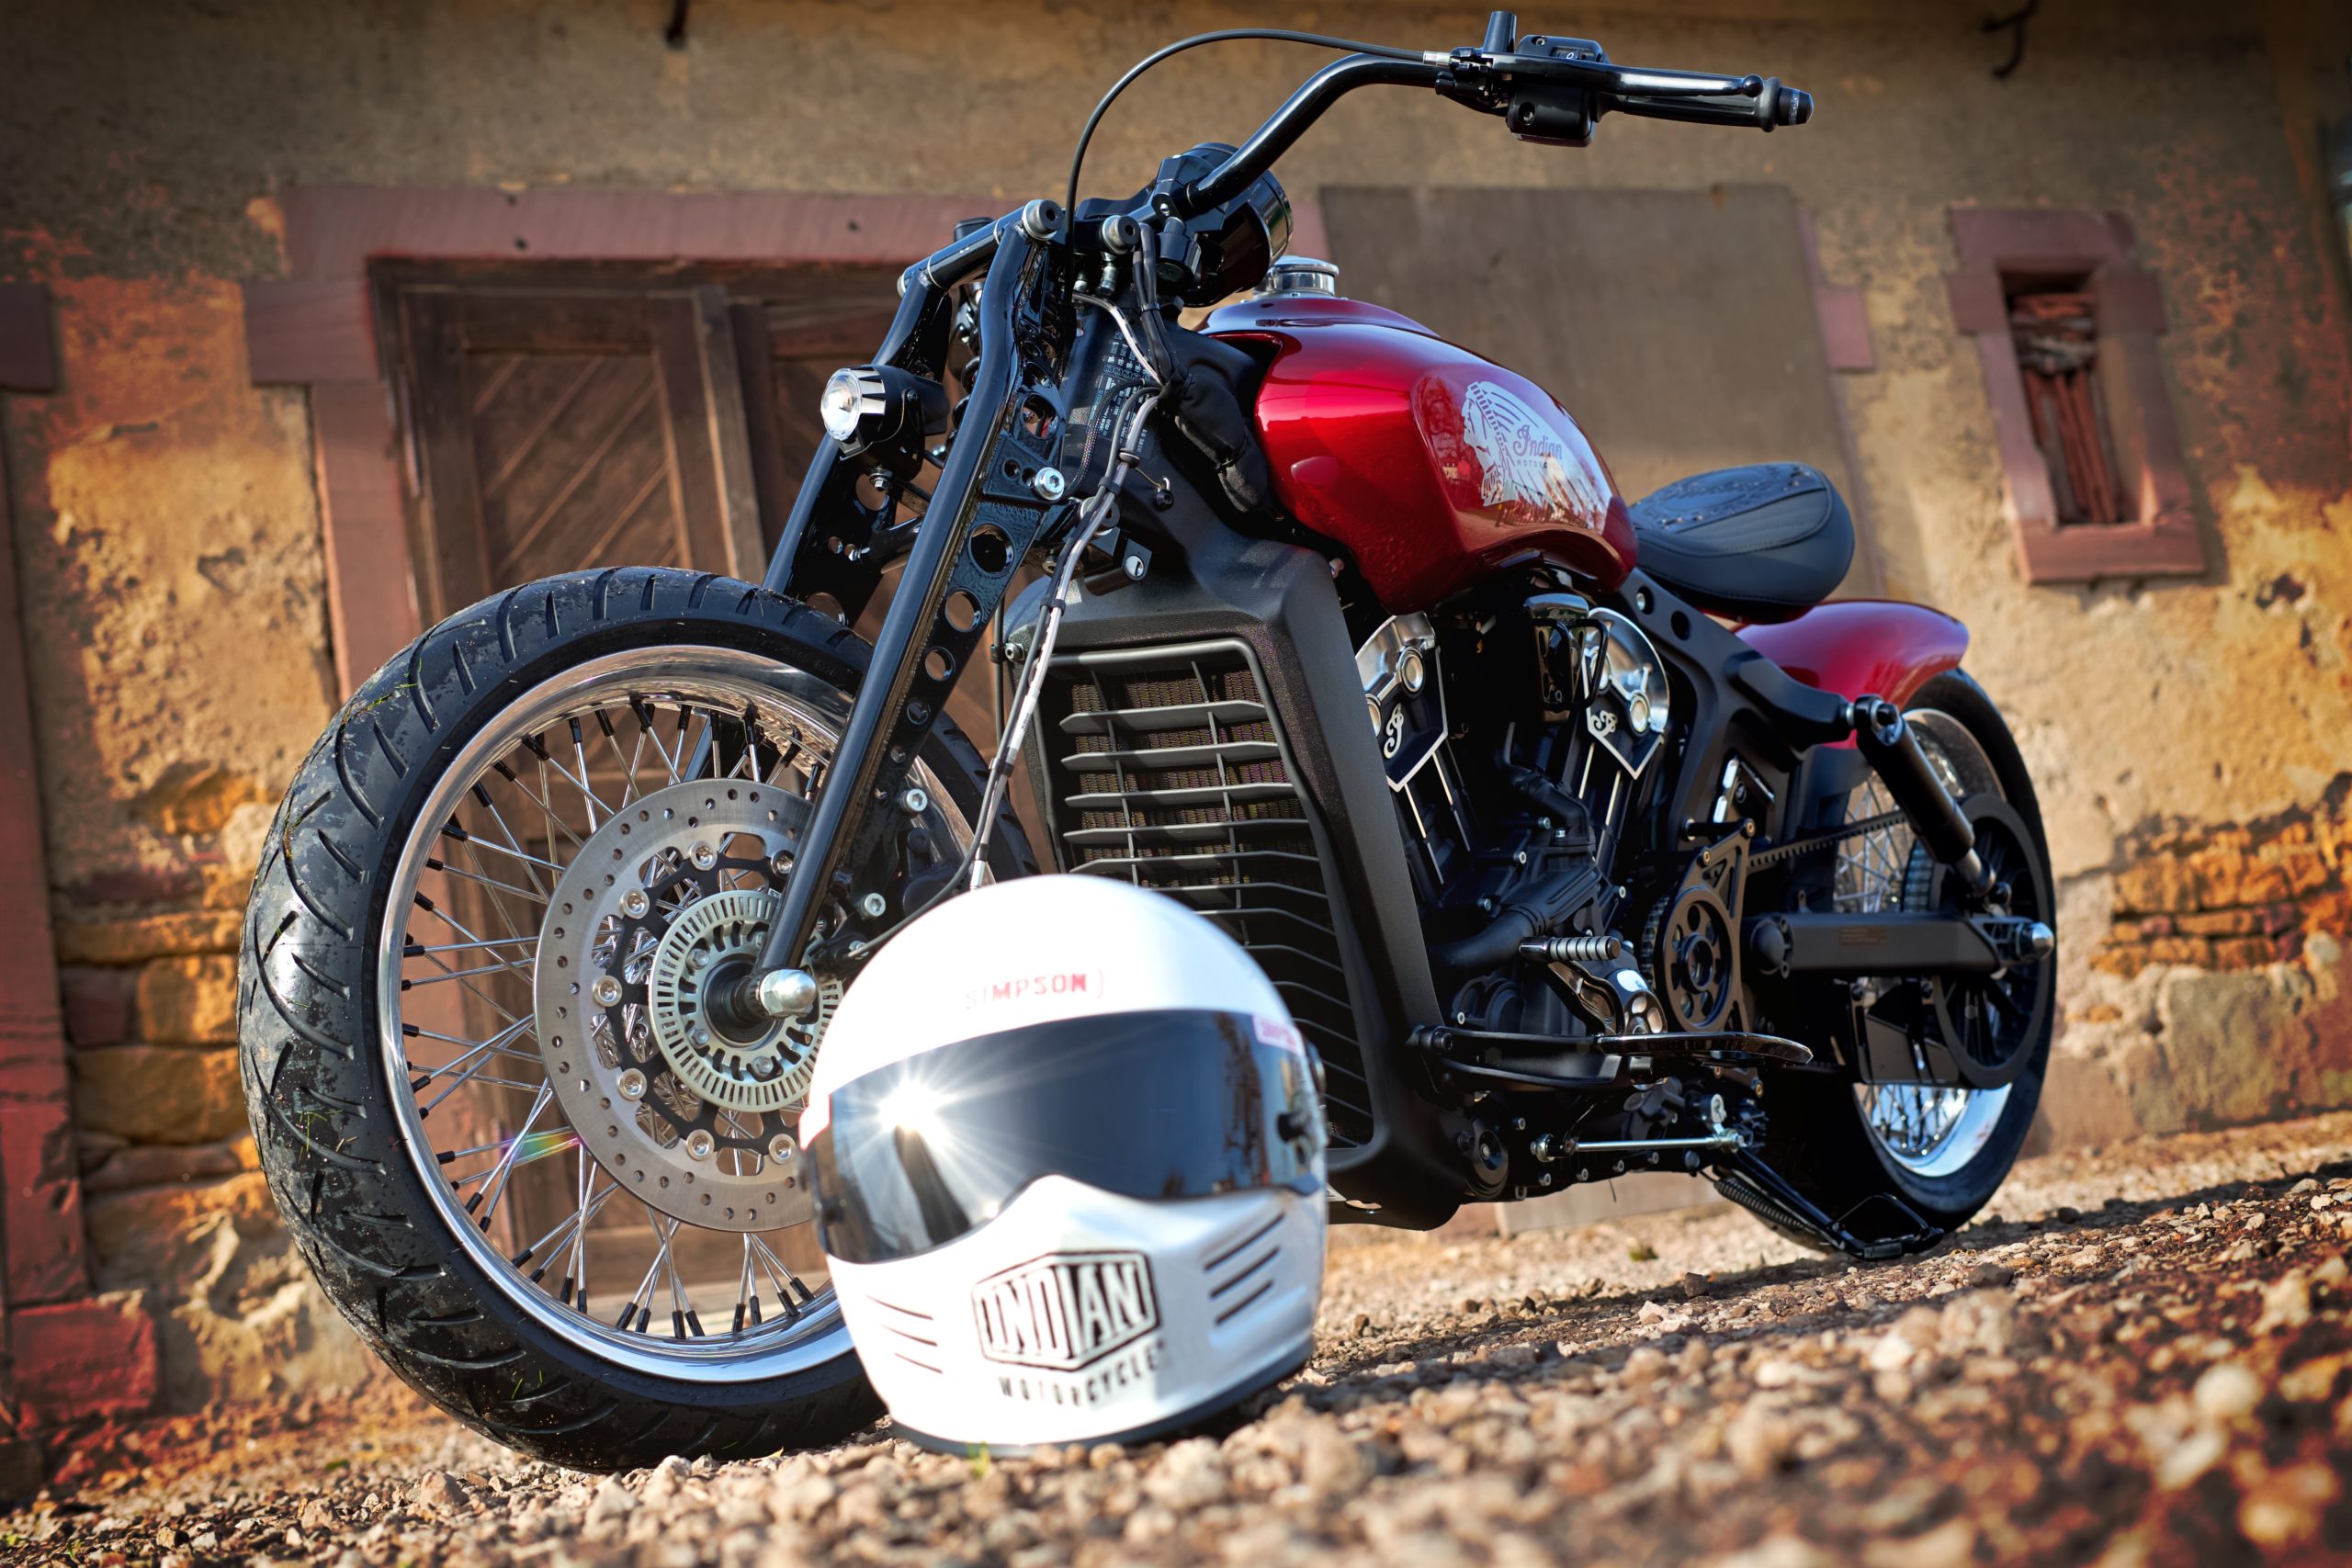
<point x="667" y="901"/>
<point x="712" y="943"/>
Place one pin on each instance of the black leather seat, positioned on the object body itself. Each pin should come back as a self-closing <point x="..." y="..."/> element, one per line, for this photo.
<point x="1760" y="543"/>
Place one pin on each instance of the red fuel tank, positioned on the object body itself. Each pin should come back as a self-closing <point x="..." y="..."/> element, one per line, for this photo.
<point x="1431" y="465"/>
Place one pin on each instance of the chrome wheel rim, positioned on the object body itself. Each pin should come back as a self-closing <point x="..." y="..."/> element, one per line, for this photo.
<point x="1927" y="1130"/>
<point x="468" y="964"/>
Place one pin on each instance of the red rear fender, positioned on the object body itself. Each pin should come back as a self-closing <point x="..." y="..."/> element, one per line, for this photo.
<point x="1863" y="646"/>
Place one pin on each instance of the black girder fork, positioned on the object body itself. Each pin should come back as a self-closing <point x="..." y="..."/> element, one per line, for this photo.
<point x="946" y="601"/>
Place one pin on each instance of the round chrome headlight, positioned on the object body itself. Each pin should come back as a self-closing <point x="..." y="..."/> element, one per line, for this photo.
<point x="849" y="396"/>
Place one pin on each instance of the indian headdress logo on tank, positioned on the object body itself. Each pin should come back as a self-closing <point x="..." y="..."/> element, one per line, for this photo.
<point x="1525" y="464"/>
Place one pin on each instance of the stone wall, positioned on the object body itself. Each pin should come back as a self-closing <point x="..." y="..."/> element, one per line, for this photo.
<point x="2233" y="896"/>
<point x="177" y="1211"/>
<point x="167" y="530"/>
<point x="2217" y="992"/>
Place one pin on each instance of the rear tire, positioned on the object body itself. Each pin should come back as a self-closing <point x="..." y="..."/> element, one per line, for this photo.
<point x="1820" y="1133"/>
<point x="344" y="1148"/>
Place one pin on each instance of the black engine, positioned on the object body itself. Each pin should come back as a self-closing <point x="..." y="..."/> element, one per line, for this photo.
<point x="1519" y="744"/>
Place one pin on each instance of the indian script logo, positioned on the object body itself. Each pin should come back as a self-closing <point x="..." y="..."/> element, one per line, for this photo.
<point x="1524" y="463"/>
<point x="1064" y="1311"/>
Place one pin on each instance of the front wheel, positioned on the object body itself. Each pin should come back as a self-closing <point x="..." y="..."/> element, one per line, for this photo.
<point x="546" y="1185"/>
<point x="1942" y="1151"/>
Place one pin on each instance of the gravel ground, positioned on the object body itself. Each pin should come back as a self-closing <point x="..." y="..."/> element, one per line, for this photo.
<point x="2146" y="1358"/>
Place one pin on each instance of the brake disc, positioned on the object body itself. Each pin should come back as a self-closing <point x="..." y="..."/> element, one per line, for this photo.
<point x="667" y="902"/>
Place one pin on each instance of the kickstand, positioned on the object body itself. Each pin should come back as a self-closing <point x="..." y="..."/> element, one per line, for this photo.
<point x="1763" y="1191"/>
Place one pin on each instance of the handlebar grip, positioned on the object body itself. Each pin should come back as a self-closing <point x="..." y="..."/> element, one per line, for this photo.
<point x="1772" y="107"/>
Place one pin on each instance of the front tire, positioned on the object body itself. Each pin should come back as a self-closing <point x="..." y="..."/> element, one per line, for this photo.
<point x="413" y="894"/>
<point x="1943" y="1153"/>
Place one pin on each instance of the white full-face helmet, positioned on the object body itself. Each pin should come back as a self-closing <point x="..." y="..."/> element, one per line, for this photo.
<point x="1068" y="1159"/>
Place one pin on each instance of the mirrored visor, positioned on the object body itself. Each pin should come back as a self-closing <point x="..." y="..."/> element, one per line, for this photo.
<point x="1179" y="1103"/>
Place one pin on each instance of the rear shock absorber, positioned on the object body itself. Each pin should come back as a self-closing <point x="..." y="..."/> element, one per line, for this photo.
<point x="1887" y="743"/>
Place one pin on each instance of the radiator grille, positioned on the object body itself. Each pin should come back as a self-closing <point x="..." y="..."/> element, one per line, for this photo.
<point x="1171" y="774"/>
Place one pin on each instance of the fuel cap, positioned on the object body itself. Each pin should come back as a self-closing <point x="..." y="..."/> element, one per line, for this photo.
<point x="1300" y="275"/>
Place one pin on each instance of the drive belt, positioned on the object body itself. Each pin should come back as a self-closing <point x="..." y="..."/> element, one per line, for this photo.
<point x="1759" y="859"/>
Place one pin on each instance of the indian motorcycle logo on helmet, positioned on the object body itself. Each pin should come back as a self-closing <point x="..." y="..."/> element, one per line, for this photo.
<point x="1064" y="1311"/>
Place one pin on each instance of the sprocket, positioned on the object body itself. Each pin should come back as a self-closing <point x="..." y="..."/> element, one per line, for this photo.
<point x="1690" y="953"/>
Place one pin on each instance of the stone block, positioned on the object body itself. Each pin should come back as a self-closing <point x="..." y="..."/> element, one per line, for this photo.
<point x="148" y="937"/>
<point x="159" y="1094"/>
<point x="155" y="1165"/>
<point x="97" y="1004"/>
<point x="188" y="1001"/>
<point x="2159" y="886"/>
<point x="2220" y="922"/>
<point x="2258" y="880"/>
<point x="155" y="1236"/>
<point x="85" y="1359"/>
<point x="238" y="1315"/>
<point x="2306" y="870"/>
<point x="227" y="887"/>
<point x="135" y="884"/>
<point x="40" y="1200"/>
<point x="195" y="799"/>
<point x="2179" y="950"/>
<point x="2243" y="952"/>
<point x="2123" y="958"/>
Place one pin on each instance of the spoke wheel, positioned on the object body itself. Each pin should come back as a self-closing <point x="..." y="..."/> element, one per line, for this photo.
<point x="592" y="866"/>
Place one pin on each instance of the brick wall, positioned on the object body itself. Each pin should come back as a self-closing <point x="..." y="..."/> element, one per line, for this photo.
<point x="2236" y="896"/>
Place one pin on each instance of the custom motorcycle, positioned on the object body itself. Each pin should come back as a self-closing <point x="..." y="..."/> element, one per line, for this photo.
<point x="1581" y="835"/>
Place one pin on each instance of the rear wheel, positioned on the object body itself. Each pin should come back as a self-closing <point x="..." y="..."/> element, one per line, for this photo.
<point x="1943" y="1151"/>
<point x="546" y="1184"/>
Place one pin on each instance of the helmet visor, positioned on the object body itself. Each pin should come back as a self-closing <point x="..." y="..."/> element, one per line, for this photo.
<point x="1163" y="1104"/>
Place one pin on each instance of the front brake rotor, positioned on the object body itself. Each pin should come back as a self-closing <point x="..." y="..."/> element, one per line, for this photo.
<point x="668" y="901"/>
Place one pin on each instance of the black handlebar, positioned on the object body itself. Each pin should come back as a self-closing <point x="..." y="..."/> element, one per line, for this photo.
<point x="1547" y="89"/>
<point x="1288" y="123"/>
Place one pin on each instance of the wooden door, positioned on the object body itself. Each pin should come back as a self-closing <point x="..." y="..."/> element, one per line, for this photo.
<point x="556" y="429"/>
